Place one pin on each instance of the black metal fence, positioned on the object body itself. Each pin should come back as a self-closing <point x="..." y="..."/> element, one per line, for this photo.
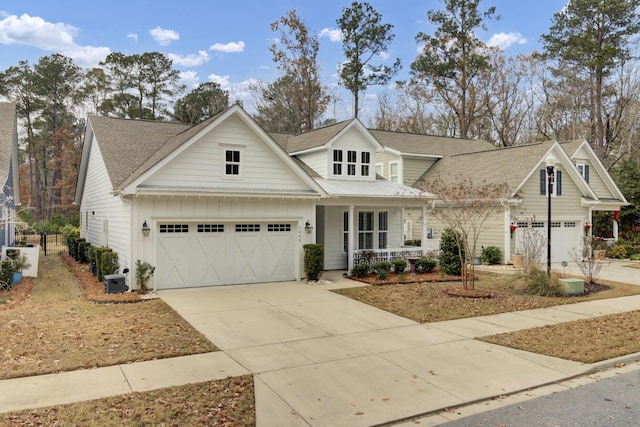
<point x="49" y="243"/>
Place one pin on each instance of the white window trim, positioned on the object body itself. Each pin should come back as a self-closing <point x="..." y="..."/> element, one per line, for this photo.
<point x="241" y="150"/>
<point x="334" y="162"/>
<point x="398" y="174"/>
<point x="381" y="166"/>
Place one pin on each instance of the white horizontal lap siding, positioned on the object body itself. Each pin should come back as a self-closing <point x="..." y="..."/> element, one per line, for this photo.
<point x="384" y="158"/>
<point x="353" y="139"/>
<point x="493" y="233"/>
<point x="597" y="184"/>
<point x="201" y="165"/>
<point x="316" y="161"/>
<point x="99" y="205"/>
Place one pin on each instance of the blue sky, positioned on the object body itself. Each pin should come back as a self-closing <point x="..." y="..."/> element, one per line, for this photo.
<point x="227" y="42"/>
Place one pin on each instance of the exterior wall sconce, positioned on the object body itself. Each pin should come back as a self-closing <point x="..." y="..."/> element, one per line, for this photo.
<point x="308" y="227"/>
<point x="145" y="229"/>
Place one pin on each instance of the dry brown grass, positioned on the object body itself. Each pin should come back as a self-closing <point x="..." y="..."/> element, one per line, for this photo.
<point x="226" y="402"/>
<point x="587" y="341"/>
<point x="57" y="329"/>
<point x="428" y="301"/>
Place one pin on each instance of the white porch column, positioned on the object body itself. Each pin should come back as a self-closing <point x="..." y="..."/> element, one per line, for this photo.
<point x="352" y="238"/>
<point x="507" y="234"/>
<point x="423" y="241"/>
<point x="615" y="230"/>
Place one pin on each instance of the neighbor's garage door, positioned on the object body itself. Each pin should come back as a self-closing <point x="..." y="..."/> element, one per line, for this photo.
<point x="565" y="238"/>
<point x="205" y="254"/>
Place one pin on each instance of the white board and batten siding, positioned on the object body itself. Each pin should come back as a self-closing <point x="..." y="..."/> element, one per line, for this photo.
<point x="104" y="217"/>
<point x="201" y="165"/>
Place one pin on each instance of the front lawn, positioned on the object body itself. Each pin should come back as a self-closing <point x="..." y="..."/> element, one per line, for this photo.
<point x="58" y="329"/>
<point x="428" y="301"/>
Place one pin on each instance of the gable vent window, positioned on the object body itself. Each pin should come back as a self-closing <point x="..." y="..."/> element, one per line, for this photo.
<point x="174" y="228"/>
<point x="366" y="161"/>
<point x="352" y="158"/>
<point x="278" y="227"/>
<point x="337" y="162"/>
<point x="584" y="171"/>
<point x="247" y="228"/>
<point x="210" y="228"/>
<point x="232" y="162"/>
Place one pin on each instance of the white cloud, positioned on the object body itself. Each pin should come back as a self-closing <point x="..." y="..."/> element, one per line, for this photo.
<point x="58" y="37"/>
<point x="163" y="36"/>
<point x="231" y="47"/>
<point x="238" y="91"/>
<point x="133" y="36"/>
<point x="504" y="40"/>
<point x="191" y="60"/>
<point x="190" y="79"/>
<point x="384" y="55"/>
<point x="333" y="35"/>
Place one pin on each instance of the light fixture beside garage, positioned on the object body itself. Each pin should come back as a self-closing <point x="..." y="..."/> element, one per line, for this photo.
<point x="308" y="227"/>
<point x="145" y="229"/>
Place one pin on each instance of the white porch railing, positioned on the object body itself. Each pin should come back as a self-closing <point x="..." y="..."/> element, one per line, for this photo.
<point x="371" y="256"/>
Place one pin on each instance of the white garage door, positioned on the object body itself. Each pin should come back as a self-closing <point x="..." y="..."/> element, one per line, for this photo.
<point x="565" y="238"/>
<point x="205" y="254"/>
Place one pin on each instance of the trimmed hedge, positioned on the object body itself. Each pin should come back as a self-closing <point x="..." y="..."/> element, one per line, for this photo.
<point x="313" y="260"/>
<point x="491" y="255"/>
<point x="399" y="265"/>
<point x="425" y="265"/>
<point x="449" y="257"/>
<point x="360" y="270"/>
<point x="7" y="268"/>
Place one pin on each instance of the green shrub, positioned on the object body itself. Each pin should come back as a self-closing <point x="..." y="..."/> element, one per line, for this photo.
<point x="98" y="262"/>
<point x="491" y="255"/>
<point x="144" y="272"/>
<point x="383" y="274"/>
<point x="425" y="265"/>
<point x="69" y="231"/>
<point x="449" y="256"/>
<point x="634" y="257"/>
<point x="619" y="251"/>
<point x="416" y="242"/>
<point x="382" y="265"/>
<point x="538" y="283"/>
<point x="399" y="265"/>
<point x="360" y="270"/>
<point x="313" y="260"/>
<point x="83" y="252"/>
<point x="6" y="274"/>
<point x="108" y="264"/>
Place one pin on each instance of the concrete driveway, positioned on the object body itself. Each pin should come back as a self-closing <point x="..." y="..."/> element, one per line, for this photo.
<point x="323" y="359"/>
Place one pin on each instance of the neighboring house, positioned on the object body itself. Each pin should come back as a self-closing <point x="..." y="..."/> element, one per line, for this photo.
<point x="226" y="204"/>
<point x="581" y="186"/>
<point x="9" y="172"/>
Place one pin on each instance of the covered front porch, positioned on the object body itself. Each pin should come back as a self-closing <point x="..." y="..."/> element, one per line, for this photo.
<point x="370" y="233"/>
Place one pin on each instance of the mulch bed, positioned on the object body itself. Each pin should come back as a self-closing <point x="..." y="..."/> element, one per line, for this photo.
<point x="394" y="279"/>
<point x="18" y="294"/>
<point x="94" y="289"/>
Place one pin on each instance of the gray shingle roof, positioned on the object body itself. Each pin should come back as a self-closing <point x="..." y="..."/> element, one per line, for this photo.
<point x="413" y="143"/>
<point x="504" y="166"/>
<point x="7" y="129"/>
<point x="127" y="144"/>
<point x="312" y="139"/>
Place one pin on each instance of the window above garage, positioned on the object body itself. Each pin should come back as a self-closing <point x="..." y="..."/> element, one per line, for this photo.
<point x="232" y="161"/>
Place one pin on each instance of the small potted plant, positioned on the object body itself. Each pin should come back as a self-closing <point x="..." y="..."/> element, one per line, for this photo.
<point x="19" y="263"/>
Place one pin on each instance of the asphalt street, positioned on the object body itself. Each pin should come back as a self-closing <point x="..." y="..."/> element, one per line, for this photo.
<point x="608" y="402"/>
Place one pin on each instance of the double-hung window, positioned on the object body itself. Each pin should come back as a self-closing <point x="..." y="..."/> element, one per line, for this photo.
<point x="232" y="162"/>
<point x="365" y="230"/>
<point x="393" y="172"/>
<point x="352" y="159"/>
<point x="365" y="161"/>
<point x="337" y="162"/>
<point x="383" y="229"/>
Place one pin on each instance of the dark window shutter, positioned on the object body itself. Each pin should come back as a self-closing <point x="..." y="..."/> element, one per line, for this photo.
<point x="543" y="182"/>
<point x="559" y="183"/>
<point x="586" y="173"/>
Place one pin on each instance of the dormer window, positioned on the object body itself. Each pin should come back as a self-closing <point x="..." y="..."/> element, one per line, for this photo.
<point x="365" y="158"/>
<point x="352" y="159"/>
<point x="337" y="162"/>
<point x="583" y="170"/>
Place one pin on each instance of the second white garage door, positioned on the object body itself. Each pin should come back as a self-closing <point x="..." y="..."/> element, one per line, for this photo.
<point x="205" y="254"/>
<point x="565" y="238"/>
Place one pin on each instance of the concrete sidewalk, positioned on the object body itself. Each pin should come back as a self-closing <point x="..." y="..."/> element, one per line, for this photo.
<point x="322" y="359"/>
